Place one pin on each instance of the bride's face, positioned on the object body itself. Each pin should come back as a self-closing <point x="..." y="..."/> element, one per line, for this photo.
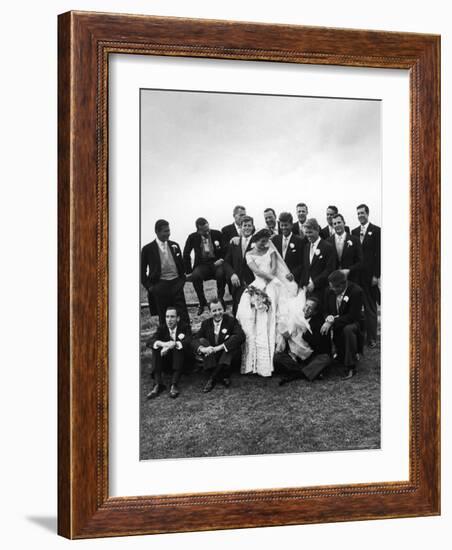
<point x="262" y="244"/>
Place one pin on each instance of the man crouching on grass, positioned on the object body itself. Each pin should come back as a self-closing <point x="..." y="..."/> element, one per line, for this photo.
<point x="218" y="342"/>
<point x="170" y="346"/>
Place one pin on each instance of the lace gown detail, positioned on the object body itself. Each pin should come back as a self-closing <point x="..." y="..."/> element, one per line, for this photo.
<point x="264" y="326"/>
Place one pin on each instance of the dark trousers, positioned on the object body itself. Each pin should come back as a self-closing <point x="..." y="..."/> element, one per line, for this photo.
<point x="346" y="342"/>
<point x="204" y="272"/>
<point x="170" y="293"/>
<point x="310" y="369"/>
<point x="173" y="361"/>
<point x="370" y="312"/>
<point x="236" y="293"/>
<point x="218" y="364"/>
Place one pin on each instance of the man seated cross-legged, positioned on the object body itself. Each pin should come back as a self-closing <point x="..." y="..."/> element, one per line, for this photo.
<point x="218" y="343"/>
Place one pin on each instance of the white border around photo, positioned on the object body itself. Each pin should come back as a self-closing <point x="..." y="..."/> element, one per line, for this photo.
<point x="129" y="476"/>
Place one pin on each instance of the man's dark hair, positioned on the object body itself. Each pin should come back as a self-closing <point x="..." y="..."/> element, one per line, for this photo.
<point x="236" y="208"/>
<point x="172" y="308"/>
<point x="286" y="217"/>
<point x="366" y="208"/>
<point x="261" y="234"/>
<point x="312" y="223"/>
<point x="159" y="225"/>
<point x="215" y="301"/>
<point x="338" y="215"/>
<point x="332" y="207"/>
<point x="315" y="300"/>
<point x="247" y="219"/>
<point x="302" y="204"/>
<point x="200" y="222"/>
<point x="270" y="210"/>
<point x="337" y="277"/>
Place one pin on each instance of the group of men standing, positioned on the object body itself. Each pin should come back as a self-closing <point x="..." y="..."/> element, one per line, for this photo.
<point x="332" y="257"/>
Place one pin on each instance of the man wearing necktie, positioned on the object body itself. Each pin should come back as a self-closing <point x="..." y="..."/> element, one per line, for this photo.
<point x="349" y="254"/>
<point x="369" y="279"/>
<point x="318" y="261"/>
<point x="270" y="221"/>
<point x="163" y="274"/>
<point x="328" y="231"/>
<point x="302" y="215"/>
<point x="170" y="350"/>
<point x="218" y="342"/>
<point x="343" y="303"/>
<point x="290" y="246"/>
<point x="235" y="264"/>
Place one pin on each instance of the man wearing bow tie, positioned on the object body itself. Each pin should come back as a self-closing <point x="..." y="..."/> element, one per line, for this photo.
<point x="318" y="261"/>
<point x="218" y="342"/>
<point x="290" y="246"/>
<point x="370" y="239"/>
<point x="235" y="264"/>
<point x="163" y="274"/>
<point x="349" y="254"/>
<point x="343" y="303"/>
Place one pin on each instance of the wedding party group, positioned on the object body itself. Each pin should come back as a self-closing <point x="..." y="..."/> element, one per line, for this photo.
<point x="303" y="297"/>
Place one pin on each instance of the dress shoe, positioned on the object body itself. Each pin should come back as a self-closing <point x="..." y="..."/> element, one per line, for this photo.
<point x="174" y="392"/>
<point x="200" y="310"/>
<point x="351" y="372"/>
<point x="209" y="386"/>
<point x="226" y="382"/>
<point x="156" y="390"/>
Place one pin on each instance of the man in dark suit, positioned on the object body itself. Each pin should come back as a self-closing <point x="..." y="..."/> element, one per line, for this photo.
<point x="370" y="239"/>
<point x="302" y="215"/>
<point x="328" y="230"/>
<point x="290" y="246"/>
<point x="170" y="349"/>
<point x="270" y="221"/>
<point x="343" y="303"/>
<point x="235" y="264"/>
<point x="208" y="262"/>
<point x="292" y="368"/>
<point x="163" y="274"/>
<point x="349" y="255"/>
<point x="234" y="229"/>
<point x="318" y="261"/>
<point x="218" y="342"/>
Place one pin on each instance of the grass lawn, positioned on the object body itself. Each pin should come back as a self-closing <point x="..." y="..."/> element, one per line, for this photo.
<point x="255" y="415"/>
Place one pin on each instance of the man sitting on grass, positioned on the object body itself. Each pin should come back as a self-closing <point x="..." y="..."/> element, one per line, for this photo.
<point x="218" y="342"/>
<point x="289" y="366"/>
<point x="343" y="304"/>
<point x="170" y="347"/>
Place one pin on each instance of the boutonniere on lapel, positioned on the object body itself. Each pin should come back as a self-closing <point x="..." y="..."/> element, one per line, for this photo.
<point x="349" y="242"/>
<point x="181" y="336"/>
<point x="291" y="245"/>
<point x="345" y="299"/>
<point x="317" y="252"/>
<point x="369" y="233"/>
<point x="216" y="243"/>
<point x="224" y="330"/>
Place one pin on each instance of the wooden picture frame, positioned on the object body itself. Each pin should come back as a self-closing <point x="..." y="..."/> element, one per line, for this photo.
<point x="85" y="42"/>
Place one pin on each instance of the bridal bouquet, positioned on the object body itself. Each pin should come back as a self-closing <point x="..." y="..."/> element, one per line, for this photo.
<point x="259" y="299"/>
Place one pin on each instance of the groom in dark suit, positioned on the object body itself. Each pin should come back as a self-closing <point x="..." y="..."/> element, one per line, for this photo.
<point x="235" y="264"/>
<point x="290" y="246"/>
<point x="218" y="342"/>
<point x="370" y="239"/>
<point x="163" y="274"/>
<point x="318" y="261"/>
<point x="349" y="255"/>
<point x="207" y="245"/>
<point x="343" y="303"/>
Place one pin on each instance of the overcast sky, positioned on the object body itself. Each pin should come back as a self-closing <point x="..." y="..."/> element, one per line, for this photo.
<point x="203" y="153"/>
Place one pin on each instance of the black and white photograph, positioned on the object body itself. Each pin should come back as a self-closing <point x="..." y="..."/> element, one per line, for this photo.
<point x="259" y="274"/>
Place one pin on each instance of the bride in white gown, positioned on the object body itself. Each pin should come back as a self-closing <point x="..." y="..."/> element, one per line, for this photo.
<point x="270" y="310"/>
